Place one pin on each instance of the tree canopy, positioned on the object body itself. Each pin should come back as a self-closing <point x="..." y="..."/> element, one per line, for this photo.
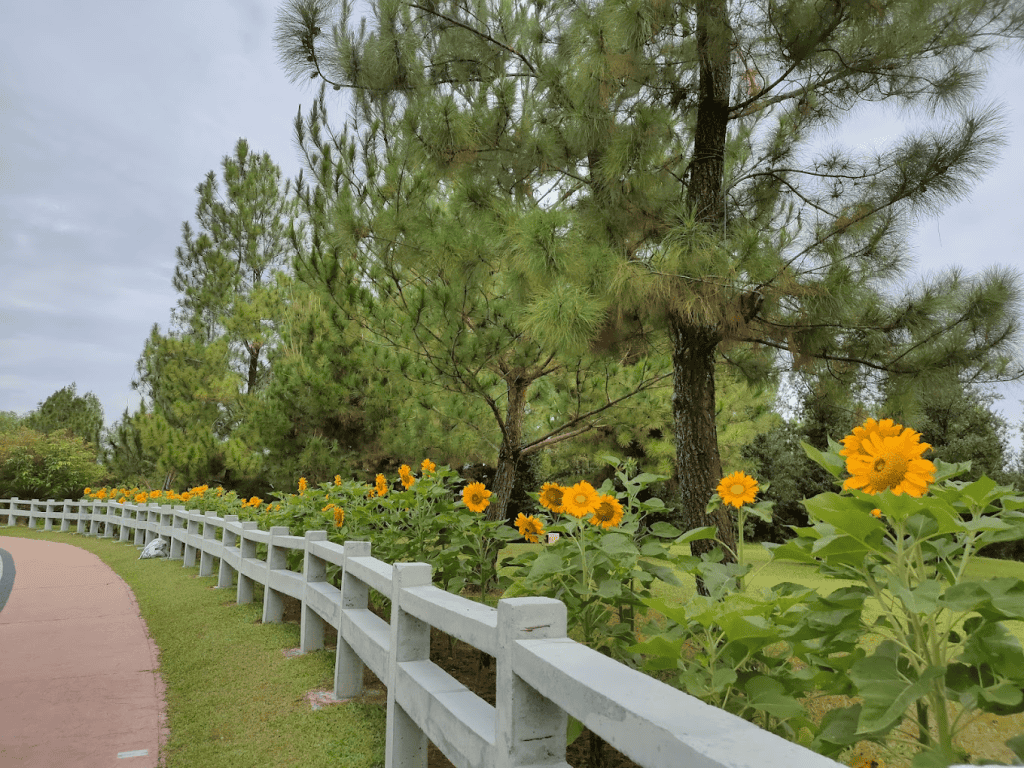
<point x="659" y="169"/>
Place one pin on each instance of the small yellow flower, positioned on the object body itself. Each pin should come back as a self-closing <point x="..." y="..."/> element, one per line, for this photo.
<point x="255" y="501"/>
<point x="87" y="491"/>
<point x="339" y="517"/>
<point x="406" y="474"/>
<point x="382" y="485"/>
<point x="337" y="479"/>
<point x="476" y="497"/>
<point x="530" y="527"/>
<point x="876" y="512"/>
<point x="141" y="498"/>
<point x="303" y="485"/>
<point x="551" y="496"/>
<point x="428" y="466"/>
<point x="608" y="513"/>
<point x="185" y="496"/>
<point x="737" y="489"/>
<point x="580" y="500"/>
<point x="154" y="494"/>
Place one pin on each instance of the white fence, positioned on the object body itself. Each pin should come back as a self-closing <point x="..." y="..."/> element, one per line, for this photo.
<point x="542" y="676"/>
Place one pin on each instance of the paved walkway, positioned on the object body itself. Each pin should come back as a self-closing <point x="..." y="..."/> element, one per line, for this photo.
<point x="78" y="679"/>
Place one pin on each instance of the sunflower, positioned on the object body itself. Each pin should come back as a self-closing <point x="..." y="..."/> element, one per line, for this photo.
<point x="428" y="466"/>
<point x="339" y="514"/>
<point x="141" y="498"/>
<point x="303" y="485"/>
<point x="406" y="474"/>
<point x="337" y="479"/>
<point x="608" y="513"/>
<point x="876" y="512"/>
<point x="891" y="462"/>
<point x="530" y="527"/>
<point x="737" y="489"/>
<point x="579" y="500"/>
<point x="381" y="487"/>
<point x="852" y="443"/>
<point x="551" y="497"/>
<point x="475" y="497"/>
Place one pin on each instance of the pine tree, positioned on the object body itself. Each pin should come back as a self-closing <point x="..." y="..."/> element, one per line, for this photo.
<point x="410" y="259"/>
<point x="82" y="416"/>
<point x="661" y="164"/>
<point x="225" y="271"/>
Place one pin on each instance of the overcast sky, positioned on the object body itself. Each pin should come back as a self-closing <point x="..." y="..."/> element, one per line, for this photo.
<point x="112" y="111"/>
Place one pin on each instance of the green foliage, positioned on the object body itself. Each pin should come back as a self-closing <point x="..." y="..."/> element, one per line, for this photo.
<point x="65" y="410"/>
<point x="943" y="635"/>
<point x="45" y="466"/>
<point x="603" y="575"/>
<point x="9" y="421"/>
<point x="625" y="178"/>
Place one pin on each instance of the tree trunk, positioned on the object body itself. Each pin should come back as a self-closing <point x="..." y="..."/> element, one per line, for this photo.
<point x="693" y="345"/>
<point x="698" y="464"/>
<point x="511" y="446"/>
<point x="707" y="164"/>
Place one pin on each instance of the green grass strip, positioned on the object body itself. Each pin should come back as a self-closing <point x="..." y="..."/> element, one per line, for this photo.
<point x="233" y="698"/>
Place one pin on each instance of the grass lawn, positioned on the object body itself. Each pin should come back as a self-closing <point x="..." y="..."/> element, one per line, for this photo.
<point x="233" y="698"/>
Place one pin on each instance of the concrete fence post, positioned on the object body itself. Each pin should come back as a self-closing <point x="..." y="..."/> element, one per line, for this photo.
<point x="177" y="533"/>
<point x="12" y="506"/>
<point x="49" y="515"/>
<point x="209" y="538"/>
<point x="94" y="517"/>
<point x="84" y="508"/>
<point x="33" y="507"/>
<point x="226" y="574"/>
<point x="65" y="521"/>
<point x="529" y="729"/>
<point x="247" y="549"/>
<point x="108" y="520"/>
<point x="314" y="570"/>
<point x="141" y="523"/>
<point x="348" y="667"/>
<point x="128" y="512"/>
<point x="277" y="560"/>
<point x="193" y="530"/>
<point x="405" y="742"/>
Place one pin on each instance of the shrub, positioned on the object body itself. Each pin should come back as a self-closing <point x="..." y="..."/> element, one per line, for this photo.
<point x="38" y="466"/>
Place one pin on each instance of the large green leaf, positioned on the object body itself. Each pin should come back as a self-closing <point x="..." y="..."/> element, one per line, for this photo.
<point x="887" y="692"/>
<point x="849" y="515"/>
<point x="770" y="696"/>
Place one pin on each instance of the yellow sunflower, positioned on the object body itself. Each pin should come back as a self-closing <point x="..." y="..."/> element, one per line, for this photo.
<point x="530" y="527"/>
<point x="406" y="474"/>
<point x="551" y="496"/>
<point x="476" y="497"/>
<point x="303" y="485"/>
<point x="737" y="489"/>
<point x="891" y="462"/>
<point x="580" y="500"/>
<point x="852" y="443"/>
<point x="337" y="479"/>
<point x="608" y="513"/>
<point x="428" y="466"/>
<point x="381" y="487"/>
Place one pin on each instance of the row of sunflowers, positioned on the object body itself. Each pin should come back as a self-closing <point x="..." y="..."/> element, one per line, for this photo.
<point x="899" y="534"/>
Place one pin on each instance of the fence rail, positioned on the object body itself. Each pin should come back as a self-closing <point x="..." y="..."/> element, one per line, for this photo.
<point x="542" y="675"/>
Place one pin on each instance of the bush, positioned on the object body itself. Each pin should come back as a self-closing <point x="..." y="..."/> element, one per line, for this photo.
<point x="38" y="466"/>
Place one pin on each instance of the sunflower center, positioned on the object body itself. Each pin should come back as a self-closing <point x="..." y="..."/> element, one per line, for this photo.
<point x="737" y="489"/>
<point x="889" y="470"/>
<point x="580" y="498"/>
<point x="604" y="513"/>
